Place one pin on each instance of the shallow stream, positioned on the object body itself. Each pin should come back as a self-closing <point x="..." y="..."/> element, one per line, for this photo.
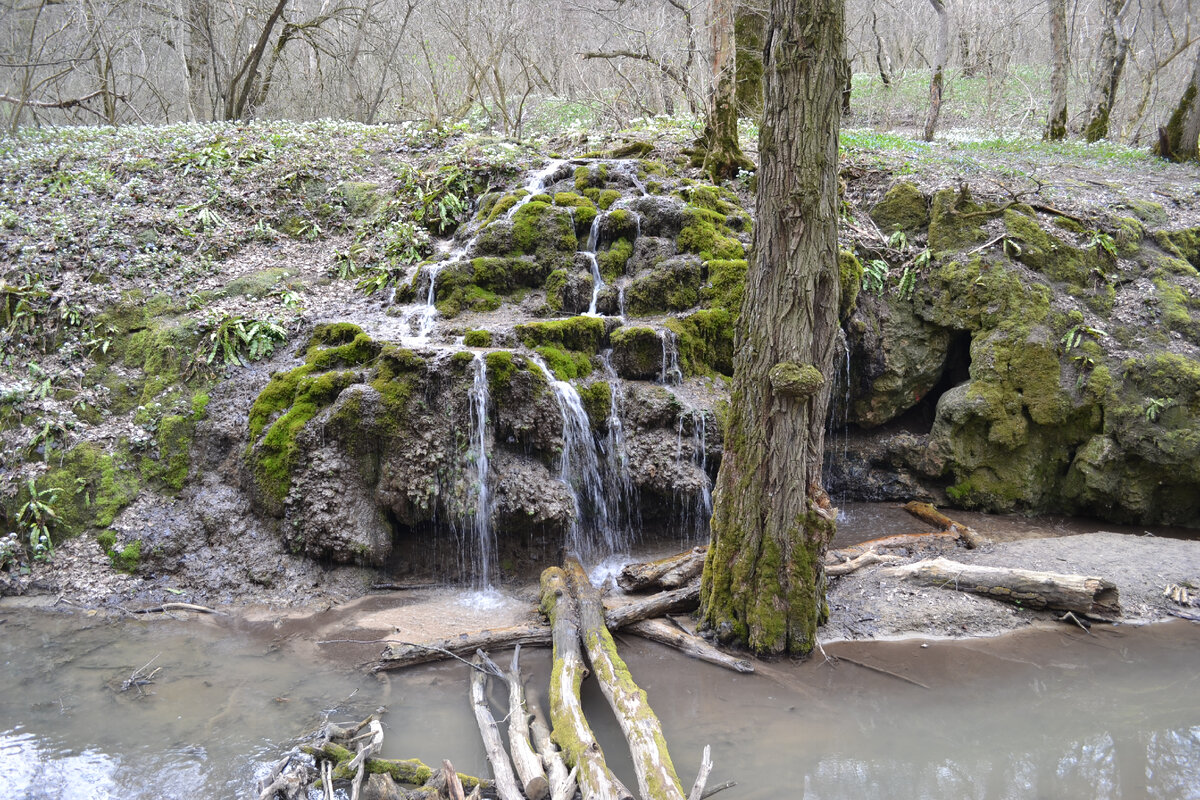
<point x="1061" y="713"/>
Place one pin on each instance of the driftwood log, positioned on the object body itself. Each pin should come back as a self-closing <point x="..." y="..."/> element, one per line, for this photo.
<point x="562" y="780"/>
<point x="528" y="764"/>
<point x="656" y="630"/>
<point x="571" y="730"/>
<point x="651" y="761"/>
<point x="866" y="559"/>
<point x="506" y="780"/>
<point x="1081" y="594"/>
<point x="401" y="655"/>
<point x="665" y="573"/>
<point x="927" y="513"/>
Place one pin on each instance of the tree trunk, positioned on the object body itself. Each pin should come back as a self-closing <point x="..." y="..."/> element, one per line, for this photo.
<point x="749" y="29"/>
<point x="723" y="157"/>
<point x="506" y="780"/>
<point x="571" y="730"/>
<point x="241" y="86"/>
<point x="198" y="60"/>
<point x="1111" y="49"/>
<point x="526" y="762"/>
<point x="939" y="68"/>
<point x="665" y="573"/>
<point x="1056" y="122"/>
<point x="1095" y="597"/>
<point x="763" y="580"/>
<point x="1179" y="139"/>
<point x="651" y="761"/>
<point x="882" y="60"/>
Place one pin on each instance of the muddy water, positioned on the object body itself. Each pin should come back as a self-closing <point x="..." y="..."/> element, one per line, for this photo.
<point x="1061" y="714"/>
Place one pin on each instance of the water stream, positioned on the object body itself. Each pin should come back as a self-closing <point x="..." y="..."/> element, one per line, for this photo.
<point x="1062" y="713"/>
<point x="483" y="540"/>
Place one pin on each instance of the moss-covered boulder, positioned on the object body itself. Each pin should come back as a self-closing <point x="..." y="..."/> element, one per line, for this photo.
<point x="637" y="352"/>
<point x="956" y="221"/>
<point x="903" y="208"/>
<point x="584" y="334"/>
<point x="674" y="285"/>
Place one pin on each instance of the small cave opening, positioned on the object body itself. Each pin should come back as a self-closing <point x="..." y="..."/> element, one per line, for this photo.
<point x="955" y="370"/>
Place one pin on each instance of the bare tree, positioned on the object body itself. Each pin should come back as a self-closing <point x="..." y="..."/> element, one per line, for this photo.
<point x="723" y="157"/>
<point x="1178" y="140"/>
<point x="1056" y="123"/>
<point x="1112" y="50"/>
<point x="937" y="79"/>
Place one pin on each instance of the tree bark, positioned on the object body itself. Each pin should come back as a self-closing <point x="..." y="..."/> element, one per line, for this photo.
<point x="1095" y="597"/>
<point x="1112" y="47"/>
<point x="571" y="730"/>
<point x="562" y="780"/>
<point x="723" y="157"/>
<point x="1056" y="122"/>
<point x="656" y="605"/>
<point x="936" y="81"/>
<point x="1179" y="139"/>
<point x="526" y="762"/>
<point x="749" y="29"/>
<point x="763" y="581"/>
<point x="651" y="761"/>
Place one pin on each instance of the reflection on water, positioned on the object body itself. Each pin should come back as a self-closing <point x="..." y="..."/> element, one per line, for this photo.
<point x="1064" y="714"/>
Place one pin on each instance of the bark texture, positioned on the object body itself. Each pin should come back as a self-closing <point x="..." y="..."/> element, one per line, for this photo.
<point x="1056" y="122"/>
<point x="750" y="28"/>
<point x="723" y="158"/>
<point x="1183" y="130"/>
<point x="1112" y="47"/>
<point x="938" y="78"/>
<point x="763" y="581"/>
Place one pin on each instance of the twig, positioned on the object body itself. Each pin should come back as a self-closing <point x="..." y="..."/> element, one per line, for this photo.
<point x="1070" y="617"/>
<point x="882" y="671"/>
<point x="720" y="787"/>
<point x="986" y="245"/>
<point x="177" y="607"/>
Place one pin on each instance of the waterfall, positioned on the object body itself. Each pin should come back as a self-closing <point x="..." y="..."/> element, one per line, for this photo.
<point x="837" y="428"/>
<point x="695" y="510"/>
<point x="593" y="241"/>
<point x="670" y="374"/>
<point x="536" y="183"/>
<point x="621" y="497"/>
<point x="590" y="535"/>
<point x="483" y="539"/>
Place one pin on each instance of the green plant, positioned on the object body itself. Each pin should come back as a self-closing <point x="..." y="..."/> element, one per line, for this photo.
<point x="37" y="518"/>
<point x="898" y="241"/>
<point x="10" y="550"/>
<point x="238" y="340"/>
<point x="908" y="282"/>
<point x="346" y="262"/>
<point x="289" y="297"/>
<point x="50" y="433"/>
<point x="1072" y="338"/>
<point x="1103" y="241"/>
<point x="1155" y="406"/>
<point x="875" y="276"/>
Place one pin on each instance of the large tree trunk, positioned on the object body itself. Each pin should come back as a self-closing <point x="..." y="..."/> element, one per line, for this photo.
<point x="198" y="60"/>
<point x="1111" y="50"/>
<point x="1056" y="122"/>
<point x="723" y="157"/>
<point x="938" y="78"/>
<point x="1179" y="138"/>
<point x="763" y="580"/>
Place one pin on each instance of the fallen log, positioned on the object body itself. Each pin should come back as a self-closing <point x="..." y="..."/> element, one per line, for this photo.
<point x="643" y="732"/>
<point x="1095" y="597"/>
<point x="410" y="771"/>
<point x="527" y="763"/>
<point x="865" y="560"/>
<point x="562" y="780"/>
<point x="666" y="573"/>
<point x="686" y="598"/>
<point x="406" y="654"/>
<point x="506" y="781"/>
<point x="571" y="730"/>
<point x="665" y="633"/>
<point x="896" y="540"/>
<point x="927" y="513"/>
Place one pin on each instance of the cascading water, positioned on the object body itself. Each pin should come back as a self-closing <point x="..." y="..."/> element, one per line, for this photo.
<point x="483" y="544"/>
<point x="621" y="497"/>
<point x="593" y="241"/>
<point x="695" y="509"/>
<point x="837" y="427"/>
<point x="590" y="536"/>
<point x="535" y="185"/>
<point x="669" y="374"/>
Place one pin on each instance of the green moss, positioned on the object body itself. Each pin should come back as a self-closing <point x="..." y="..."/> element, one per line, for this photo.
<point x="597" y="402"/>
<point x="795" y="380"/>
<point x="903" y="208"/>
<point x="1045" y="253"/>
<point x="981" y="295"/>
<point x="1174" y="305"/>
<point x="501" y="366"/>
<point x="726" y="285"/>
<point x="1068" y="224"/>
<point x="613" y="260"/>
<point x="671" y="286"/>
<point x="478" y="338"/>
<point x="468" y="298"/>
<point x="174" y="440"/>
<point x="361" y="198"/>
<point x="1147" y="211"/>
<point x="199" y="406"/>
<point x="637" y="352"/>
<point x="331" y="334"/>
<point x="567" y="365"/>
<point x="705" y="234"/>
<point x="956" y="222"/>
<point x="705" y="341"/>
<point x="1183" y="244"/>
<point x="358" y="352"/>
<point x="94" y="486"/>
<point x="258" y="284"/>
<point x="606" y="199"/>
<point x="501" y="206"/>
<point x="850" y="274"/>
<point x="585" y="334"/>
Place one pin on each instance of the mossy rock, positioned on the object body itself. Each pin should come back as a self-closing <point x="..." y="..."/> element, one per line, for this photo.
<point x="478" y="338"/>
<point x="566" y="365"/>
<point x="597" y="402"/>
<point x="361" y="197"/>
<point x="706" y="234"/>
<point x="637" y="353"/>
<point x="672" y="286"/>
<point x="613" y="259"/>
<point x="1151" y="213"/>
<point x="705" y="341"/>
<point x="956" y="222"/>
<point x="618" y="224"/>
<point x="903" y="208"/>
<point x="850" y="275"/>
<point x="635" y="149"/>
<point x="583" y="334"/>
<point x="1183" y="244"/>
<point x="94" y="486"/>
<point x="1047" y="253"/>
<point x="259" y="284"/>
<point x="977" y="294"/>
<point x="726" y="285"/>
<point x="569" y="292"/>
